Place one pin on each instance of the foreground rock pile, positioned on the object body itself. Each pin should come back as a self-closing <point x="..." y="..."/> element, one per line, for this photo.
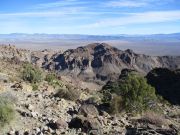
<point x="41" y="113"/>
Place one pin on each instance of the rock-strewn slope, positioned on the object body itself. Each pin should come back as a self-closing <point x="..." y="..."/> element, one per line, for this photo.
<point x="41" y="113"/>
<point x="12" y="53"/>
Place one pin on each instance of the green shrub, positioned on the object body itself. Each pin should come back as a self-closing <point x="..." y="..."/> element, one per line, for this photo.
<point x="32" y="74"/>
<point x="68" y="94"/>
<point x="137" y="95"/>
<point x="50" y="77"/>
<point x="34" y="86"/>
<point x="7" y="112"/>
<point x="52" y="80"/>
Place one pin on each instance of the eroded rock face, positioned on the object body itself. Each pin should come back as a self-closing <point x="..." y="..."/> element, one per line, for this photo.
<point x="103" y="62"/>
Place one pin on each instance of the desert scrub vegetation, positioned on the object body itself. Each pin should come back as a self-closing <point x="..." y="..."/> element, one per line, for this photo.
<point x="131" y="93"/>
<point x="116" y="104"/>
<point x="94" y="99"/>
<point x="7" y="112"/>
<point x="154" y="118"/>
<point x="52" y="80"/>
<point x="34" y="86"/>
<point x="32" y="74"/>
<point x="68" y="94"/>
<point x="50" y="77"/>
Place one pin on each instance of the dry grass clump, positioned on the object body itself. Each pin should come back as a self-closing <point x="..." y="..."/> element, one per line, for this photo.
<point x="7" y="112"/>
<point x="175" y="114"/>
<point x="68" y="94"/>
<point x="153" y="118"/>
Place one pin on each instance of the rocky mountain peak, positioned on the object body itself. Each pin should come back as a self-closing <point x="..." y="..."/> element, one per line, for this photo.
<point x="102" y="61"/>
<point x="97" y="61"/>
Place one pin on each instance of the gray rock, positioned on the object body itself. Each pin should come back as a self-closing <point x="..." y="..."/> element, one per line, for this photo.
<point x="88" y="109"/>
<point x="30" y="107"/>
<point x="34" y="114"/>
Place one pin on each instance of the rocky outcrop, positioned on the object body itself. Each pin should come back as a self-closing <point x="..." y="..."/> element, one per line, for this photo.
<point x="88" y="109"/>
<point x="10" y="52"/>
<point x="151" y="131"/>
<point x="41" y="58"/>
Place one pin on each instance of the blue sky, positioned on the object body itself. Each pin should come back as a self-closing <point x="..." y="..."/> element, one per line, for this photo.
<point x="96" y="17"/>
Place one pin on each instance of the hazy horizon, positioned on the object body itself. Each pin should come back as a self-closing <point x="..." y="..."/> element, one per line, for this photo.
<point x="96" y="17"/>
<point x="145" y="26"/>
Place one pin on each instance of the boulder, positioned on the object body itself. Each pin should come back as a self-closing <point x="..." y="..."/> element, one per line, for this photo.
<point x="88" y="109"/>
<point x="59" y="124"/>
<point x="86" y="124"/>
<point x="17" y="86"/>
<point x="22" y="86"/>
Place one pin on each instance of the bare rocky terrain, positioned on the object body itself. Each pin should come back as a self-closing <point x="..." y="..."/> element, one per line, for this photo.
<point x="101" y="62"/>
<point x="98" y="62"/>
<point x="83" y="70"/>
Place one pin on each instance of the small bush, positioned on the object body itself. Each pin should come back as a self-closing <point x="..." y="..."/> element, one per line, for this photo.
<point x="68" y="94"/>
<point x="95" y="99"/>
<point x="32" y="74"/>
<point x="50" y="78"/>
<point x="7" y="112"/>
<point x="136" y="94"/>
<point x="34" y="87"/>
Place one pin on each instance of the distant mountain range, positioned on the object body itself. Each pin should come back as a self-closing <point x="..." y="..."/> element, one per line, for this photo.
<point x="174" y="37"/>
